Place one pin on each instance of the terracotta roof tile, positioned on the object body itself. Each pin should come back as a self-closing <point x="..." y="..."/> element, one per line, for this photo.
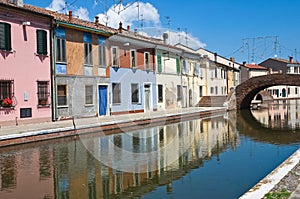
<point x="255" y="66"/>
<point x="61" y="17"/>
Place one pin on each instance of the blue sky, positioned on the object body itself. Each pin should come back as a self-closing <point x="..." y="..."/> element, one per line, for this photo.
<point x="241" y="28"/>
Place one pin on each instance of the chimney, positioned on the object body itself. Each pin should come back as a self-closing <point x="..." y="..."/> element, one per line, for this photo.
<point x="128" y="28"/>
<point x="270" y="70"/>
<point x="96" y="20"/>
<point x="70" y="15"/>
<point x="232" y="59"/>
<point x="18" y="2"/>
<point x="244" y="63"/>
<point x="165" y="37"/>
<point x="291" y="59"/>
<point x="120" y="27"/>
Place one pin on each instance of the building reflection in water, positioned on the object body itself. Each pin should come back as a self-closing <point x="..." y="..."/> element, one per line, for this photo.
<point x="280" y="114"/>
<point x="66" y="169"/>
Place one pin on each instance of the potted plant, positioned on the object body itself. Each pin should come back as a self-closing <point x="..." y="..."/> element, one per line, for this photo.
<point x="7" y="102"/>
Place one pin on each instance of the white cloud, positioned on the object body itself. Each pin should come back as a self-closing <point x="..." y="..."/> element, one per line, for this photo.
<point x="174" y="37"/>
<point x="82" y="13"/>
<point x="56" y="5"/>
<point x="60" y="6"/>
<point x="128" y="14"/>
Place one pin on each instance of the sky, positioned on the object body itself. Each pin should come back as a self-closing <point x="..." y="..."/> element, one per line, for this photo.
<point x="249" y="30"/>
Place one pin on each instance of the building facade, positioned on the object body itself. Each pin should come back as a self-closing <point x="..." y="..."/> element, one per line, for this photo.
<point x="80" y="65"/>
<point x="25" y="78"/>
<point x="132" y="73"/>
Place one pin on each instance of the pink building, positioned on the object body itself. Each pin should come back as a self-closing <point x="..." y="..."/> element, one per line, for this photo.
<point x="25" y="64"/>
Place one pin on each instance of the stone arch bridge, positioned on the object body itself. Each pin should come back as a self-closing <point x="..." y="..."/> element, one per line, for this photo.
<point x="246" y="91"/>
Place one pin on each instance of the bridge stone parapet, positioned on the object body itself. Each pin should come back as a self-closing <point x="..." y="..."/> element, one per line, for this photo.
<point x="246" y="91"/>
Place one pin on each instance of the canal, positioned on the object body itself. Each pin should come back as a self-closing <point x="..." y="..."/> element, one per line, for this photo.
<point x="218" y="157"/>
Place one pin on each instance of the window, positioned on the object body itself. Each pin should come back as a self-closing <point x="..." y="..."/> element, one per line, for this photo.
<point x="147" y="60"/>
<point x="60" y="50"/>
<point x="5" y="36"/>
<point x="196" y="68"/>
<point x="41" y="41"/>
<point x="62" y="95"/>
<point x="43" y="93"/>
<point x="200" y="91"/>
<point x="88" y="94"/>
<point x="132" y="58"/>
<point x="102" y="54"/>
<point x="296" y="91"/>
<point x="216" y="90"/>
<point x="134" y="93"/>
<point x="88" y="55"/>
<point x="60" y="35"/>
<point x="216" y="72"/>
<point x="185" y="67"/>
<point x="116" y="91"/>
<point x="212" y="74"/>
<point x="211" y="90"/>
<point x="115" y="56"/>
<point x="289" y="91"/>
<point x="178" y="92"/>
<point x="160" y="93"/>
<point x="6" y="90"/>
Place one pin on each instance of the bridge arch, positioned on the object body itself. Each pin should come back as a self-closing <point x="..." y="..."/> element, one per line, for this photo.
<point x="246" y="91"/>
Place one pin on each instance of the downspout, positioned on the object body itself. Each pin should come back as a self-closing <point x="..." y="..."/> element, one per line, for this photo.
<point x="52" y="71"/>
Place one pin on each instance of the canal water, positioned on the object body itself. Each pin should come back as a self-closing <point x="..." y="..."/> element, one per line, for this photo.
<point x="218" y="157"/>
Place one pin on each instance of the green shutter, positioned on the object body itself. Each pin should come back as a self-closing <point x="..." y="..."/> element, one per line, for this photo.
<point x="5" y="37"/>
<point x="178" y="67"/>
<point x="159" y="63"/>
<point x="41" y="36"/>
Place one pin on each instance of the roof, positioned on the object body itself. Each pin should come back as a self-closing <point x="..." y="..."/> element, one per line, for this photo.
<point x="255" y="66"/>
<point x="284" y="61"/>
<point x="61" y="17"/>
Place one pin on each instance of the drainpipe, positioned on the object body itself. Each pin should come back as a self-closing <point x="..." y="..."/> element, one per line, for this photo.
<point x="54" y="97"/>
<point x="52" y="71"/>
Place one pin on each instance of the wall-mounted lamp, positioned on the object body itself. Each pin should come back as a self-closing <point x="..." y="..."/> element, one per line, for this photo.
<point x="125" y="45"/>
<point x="26" y="23"/>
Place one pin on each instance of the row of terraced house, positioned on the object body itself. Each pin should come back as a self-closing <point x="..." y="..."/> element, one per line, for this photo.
<point x="55" y="66"/>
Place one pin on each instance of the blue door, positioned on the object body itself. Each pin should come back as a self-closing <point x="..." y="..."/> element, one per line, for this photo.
<point x="102" y="90"/>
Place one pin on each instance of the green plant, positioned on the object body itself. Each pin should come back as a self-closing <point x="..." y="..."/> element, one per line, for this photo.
<point x="283" y="194"/>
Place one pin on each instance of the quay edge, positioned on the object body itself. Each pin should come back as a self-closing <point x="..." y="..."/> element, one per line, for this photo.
<point x="55" y="131"/>
<point x="267" y="183"/>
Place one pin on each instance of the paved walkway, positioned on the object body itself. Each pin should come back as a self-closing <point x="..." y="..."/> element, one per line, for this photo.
<point x="9" y="132"/>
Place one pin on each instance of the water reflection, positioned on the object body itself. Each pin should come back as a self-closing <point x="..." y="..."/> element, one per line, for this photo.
<point x="280" y="114"/>
<point x="66" y="169"/>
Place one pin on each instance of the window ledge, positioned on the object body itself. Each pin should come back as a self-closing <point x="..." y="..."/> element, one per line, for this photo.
<point x="43" y="106"/>
<point x="7" y="51"/>
<point x="89" y="105"/>
<point x="7" y="107"/>
<point x="63" y="106"/>
<point x="41" y="55"/>
<point x="88" y="65"/>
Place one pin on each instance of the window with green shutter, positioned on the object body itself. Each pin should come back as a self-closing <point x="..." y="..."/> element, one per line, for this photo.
<point x="159" y="63"/>
<point x="5" y="36"/>
<point x="41" y="37"/>
<point x="178" y="67"/>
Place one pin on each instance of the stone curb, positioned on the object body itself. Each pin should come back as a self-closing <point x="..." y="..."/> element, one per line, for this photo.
<point x="267" y="183"/>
